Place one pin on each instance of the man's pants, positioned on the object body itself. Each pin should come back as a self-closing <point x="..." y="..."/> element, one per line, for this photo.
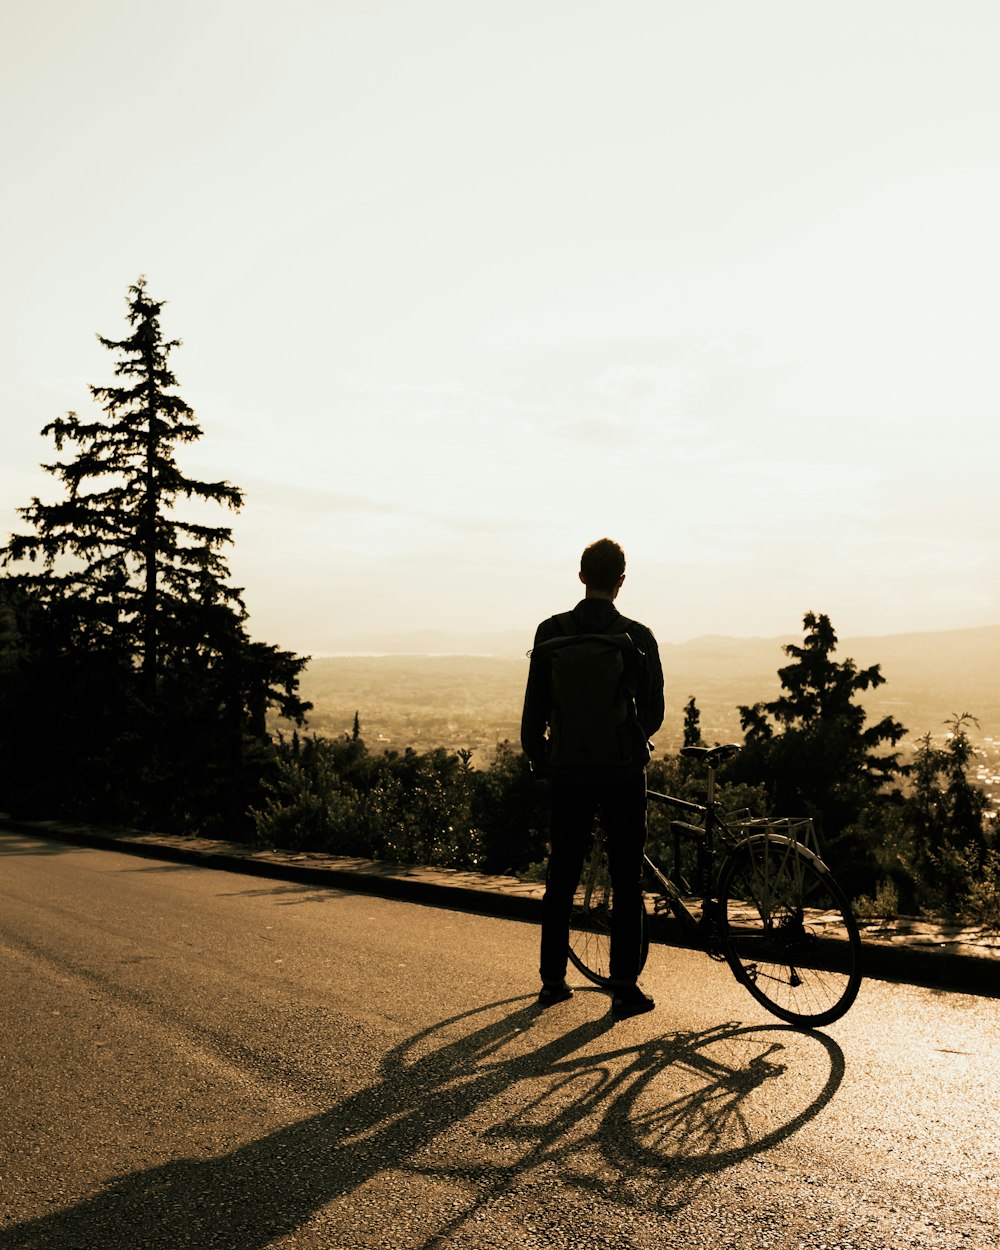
<point x="619" y="798"/>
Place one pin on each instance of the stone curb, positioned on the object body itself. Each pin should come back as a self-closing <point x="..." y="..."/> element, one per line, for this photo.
<point x="937" y="956"/>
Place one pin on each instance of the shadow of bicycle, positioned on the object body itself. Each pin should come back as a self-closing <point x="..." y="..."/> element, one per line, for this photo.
<point x="488" y="1101"/>
<point x="650" y="1121"/>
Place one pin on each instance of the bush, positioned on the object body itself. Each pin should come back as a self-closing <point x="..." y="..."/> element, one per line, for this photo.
<point x="884" y="906"/>
<point x="981" y="905"/>
<point x="686" y="780"/>
<point x="931" y="851"/>
<point x="333" y="796"/>
<point x="511" y="810"/>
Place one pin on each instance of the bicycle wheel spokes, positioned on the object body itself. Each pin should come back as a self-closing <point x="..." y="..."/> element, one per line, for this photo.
<point x="590" y="921"/>
<point x="791" y="937"/>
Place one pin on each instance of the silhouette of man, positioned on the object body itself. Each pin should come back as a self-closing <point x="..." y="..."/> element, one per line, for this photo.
<point x="616" y="793"/>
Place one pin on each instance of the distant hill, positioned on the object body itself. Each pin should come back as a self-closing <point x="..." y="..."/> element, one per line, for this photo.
<point x="932" y="676"/>
<point x="929" y="676"/>
<point x="433" y="687"/>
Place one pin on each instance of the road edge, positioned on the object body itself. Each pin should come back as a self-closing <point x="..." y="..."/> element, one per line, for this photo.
<point x="910" y="962"/>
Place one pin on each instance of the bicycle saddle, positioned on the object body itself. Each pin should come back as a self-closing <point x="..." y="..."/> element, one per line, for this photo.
<point x="713" y="756"/>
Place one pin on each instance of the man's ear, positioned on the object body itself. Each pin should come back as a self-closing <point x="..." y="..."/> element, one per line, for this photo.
<point x="580" y="576"/>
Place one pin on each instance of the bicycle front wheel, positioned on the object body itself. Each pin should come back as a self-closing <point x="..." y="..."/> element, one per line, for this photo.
<point x="590" y="920"/>
<point x="791" y="937"/>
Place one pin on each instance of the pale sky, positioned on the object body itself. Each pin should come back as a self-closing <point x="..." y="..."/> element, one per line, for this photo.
<point x="464" y="285"/>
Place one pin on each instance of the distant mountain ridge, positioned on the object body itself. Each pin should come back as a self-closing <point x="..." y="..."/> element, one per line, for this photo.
<point x="983" y="639"/>
<point x="930" y="676"/>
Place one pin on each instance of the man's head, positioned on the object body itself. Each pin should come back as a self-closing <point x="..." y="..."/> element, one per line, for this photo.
<point x="602" y="569"/>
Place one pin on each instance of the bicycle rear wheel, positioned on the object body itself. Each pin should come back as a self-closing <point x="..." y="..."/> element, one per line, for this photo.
<point x="791" y="937"/>
<point x="590" y="919"/>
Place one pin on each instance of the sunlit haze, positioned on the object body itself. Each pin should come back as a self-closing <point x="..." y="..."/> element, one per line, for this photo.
<point x="463" y="286"/>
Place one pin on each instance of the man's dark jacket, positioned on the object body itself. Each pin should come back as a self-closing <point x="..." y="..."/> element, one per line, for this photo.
<point x="591" y="616"/>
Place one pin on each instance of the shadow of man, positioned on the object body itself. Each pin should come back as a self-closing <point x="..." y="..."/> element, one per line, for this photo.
<point x="465" y="1073"/>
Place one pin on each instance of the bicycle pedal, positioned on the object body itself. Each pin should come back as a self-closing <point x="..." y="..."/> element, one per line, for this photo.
<point x="660" y="905"/>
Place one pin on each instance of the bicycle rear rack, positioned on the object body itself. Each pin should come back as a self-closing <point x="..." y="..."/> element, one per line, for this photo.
<point x="798" y="829"/>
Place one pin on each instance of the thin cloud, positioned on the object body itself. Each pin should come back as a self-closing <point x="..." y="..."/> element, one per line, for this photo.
<point x="317" y="500"/>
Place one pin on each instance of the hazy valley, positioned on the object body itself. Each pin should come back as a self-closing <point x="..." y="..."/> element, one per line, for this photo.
<point x="474" y="700"/>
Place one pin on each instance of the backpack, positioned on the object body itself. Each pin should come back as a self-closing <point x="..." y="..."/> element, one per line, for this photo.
<point x="593" y="681"/>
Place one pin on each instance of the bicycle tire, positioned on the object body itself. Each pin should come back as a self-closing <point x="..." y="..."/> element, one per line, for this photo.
<point x="590" y="920"/>
<point x="790" y="936"/>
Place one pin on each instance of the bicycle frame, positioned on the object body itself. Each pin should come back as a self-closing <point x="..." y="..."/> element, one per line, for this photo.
<point x="706" y="838"/>
<point x="770" y="907"/>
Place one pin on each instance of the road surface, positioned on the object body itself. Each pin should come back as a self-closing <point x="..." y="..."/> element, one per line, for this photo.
<point x="194" y="1058"/>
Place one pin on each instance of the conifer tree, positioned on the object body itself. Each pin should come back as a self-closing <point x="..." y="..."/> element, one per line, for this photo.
<point x="947" y="816"/>
<point x="692" y="723"/>
<point x="126" y="611"/>
<point x="113" y="544"/>
<point x="811" y="745"/>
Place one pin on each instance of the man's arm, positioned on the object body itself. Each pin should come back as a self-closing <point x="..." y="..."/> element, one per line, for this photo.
<point x="649" y="703"/>
<point x="537" y="697"/>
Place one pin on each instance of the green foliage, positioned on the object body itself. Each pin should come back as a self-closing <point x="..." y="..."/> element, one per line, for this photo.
<point x="125" y="666"/>
<point x="433" y="808"/>
<point x="425" y="808"/>
<point x="813" y="751"/>
<point x="679" y="777"/>
<point x="138" y="574"/>
<point x="692" y="723"/>
<point x="950" y="854"/>
<point x="309" y="803"/>
<point x="929" y="849"/>
<point x="511" y="810"/>
<point x="981" y="903"/>
<point x="884" y="906"/>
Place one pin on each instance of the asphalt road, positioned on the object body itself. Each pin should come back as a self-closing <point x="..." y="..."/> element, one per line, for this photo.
<point x="194" y="1058"/>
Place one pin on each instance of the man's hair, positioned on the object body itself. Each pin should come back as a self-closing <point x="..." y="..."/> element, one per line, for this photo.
<point x="602" y="564"/>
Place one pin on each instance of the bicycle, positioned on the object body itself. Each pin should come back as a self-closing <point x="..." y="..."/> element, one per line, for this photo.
<point x="770" y="907"/>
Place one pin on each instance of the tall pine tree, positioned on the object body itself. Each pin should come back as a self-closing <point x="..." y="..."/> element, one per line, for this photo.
<point x="123" y="590"/>
<point x="113" y="544"/>
<point x="812" y="748"/>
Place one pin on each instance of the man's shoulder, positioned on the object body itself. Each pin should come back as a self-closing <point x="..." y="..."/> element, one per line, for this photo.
<point x="638" y="632"/>
<point x="575" y="620"/>
<point x="554" y="626"/>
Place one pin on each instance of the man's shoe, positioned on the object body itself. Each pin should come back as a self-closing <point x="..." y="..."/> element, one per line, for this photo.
<point x="630" y="1002"/>
<point x="555" y="993"/>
